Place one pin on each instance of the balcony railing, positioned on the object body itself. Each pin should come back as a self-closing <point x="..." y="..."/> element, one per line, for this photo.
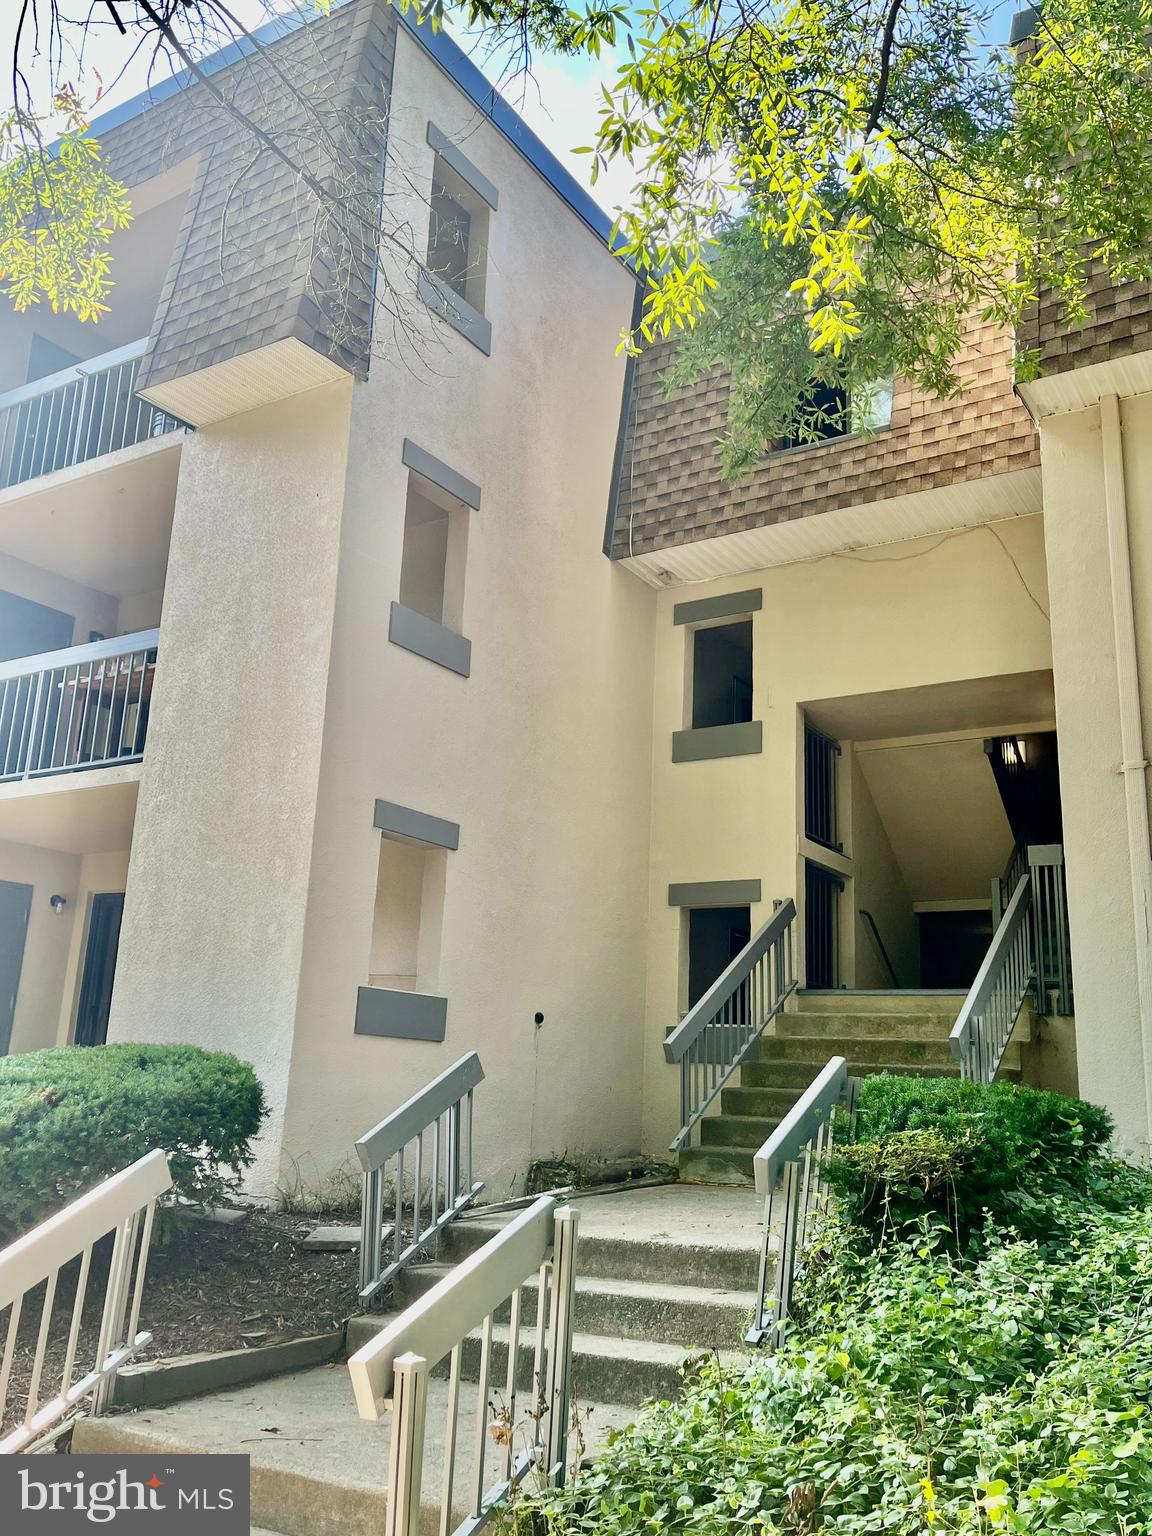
<point x="86" y="707"/>
<point x="75" y="415"/>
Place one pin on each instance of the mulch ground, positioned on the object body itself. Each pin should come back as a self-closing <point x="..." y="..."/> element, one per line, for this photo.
<point x="209" y="1287"/>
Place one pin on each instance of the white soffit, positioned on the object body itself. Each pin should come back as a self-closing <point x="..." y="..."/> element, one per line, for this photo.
<point x="243" y="383"/>
<point x="1082" y="388"/>
<point x="915" y="516"/>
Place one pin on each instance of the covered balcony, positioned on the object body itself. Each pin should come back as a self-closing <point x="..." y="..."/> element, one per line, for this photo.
<point x="78" y="413"/>
<point x="81" y="708"/>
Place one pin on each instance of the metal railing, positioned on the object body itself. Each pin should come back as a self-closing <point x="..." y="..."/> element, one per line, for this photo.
<point x="443" y="1180"/>
<point x="75" y="415"/>
<point x="715" y="1036"/>
<point x="789" y="1170"/>
<point x="125" y="1205"/>
<point x="881" y="947"/>
<point x="391" y="1375"/>
<point x="1029" y="954"/>
<point x="84" y="707"/>
<point x="821" y="767"/>
<point x="988" y="1016"/>
<point x="1004" y="886"/>
<point x="1053" y="954"/>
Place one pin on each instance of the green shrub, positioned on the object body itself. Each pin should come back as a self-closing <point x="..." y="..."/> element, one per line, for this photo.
<point x="71" y="1117"/>
<point x="928" y="1394"/>
<point x="964" y="1151"/>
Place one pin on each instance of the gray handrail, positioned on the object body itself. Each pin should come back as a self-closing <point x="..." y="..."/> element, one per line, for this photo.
<point x="800" y="1124"/>
<point x="789" y="1169"/>
<point x="701" y="1014"/>
<point x="884" y="955"/>
<point x="443" y="1111"/>
<point x="988" y="1015"/>
<point x="722" y="1029"/>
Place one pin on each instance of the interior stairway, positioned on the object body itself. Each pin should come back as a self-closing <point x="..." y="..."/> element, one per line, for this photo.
<point x="874" y="1031"/>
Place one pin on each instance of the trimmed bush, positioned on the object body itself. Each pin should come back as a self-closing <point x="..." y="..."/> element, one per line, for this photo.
<point x="69" y="1118"/>
<point x="964" y="1151"/>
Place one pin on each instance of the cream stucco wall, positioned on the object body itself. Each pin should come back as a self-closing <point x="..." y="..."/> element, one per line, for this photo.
<point x="902" y="616"/>
<point x="213" y="928"/>
<point x="98" y="873"/>
<point x="878" y="887"/>
<point x="1109" y="1055"/>
<point x="542" y="754"/>
<point x="47" y="940"/>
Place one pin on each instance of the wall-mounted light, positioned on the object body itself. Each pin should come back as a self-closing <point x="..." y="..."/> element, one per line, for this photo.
<point x="57" y="903"/>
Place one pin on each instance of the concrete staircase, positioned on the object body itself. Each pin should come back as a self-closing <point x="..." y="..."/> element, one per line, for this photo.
<point x="875" y="1031"/>
<point x="663" y="1274"/>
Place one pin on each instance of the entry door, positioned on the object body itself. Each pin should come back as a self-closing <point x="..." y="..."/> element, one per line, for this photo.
<point x="99" y="968"/>
<point x="15" y="905"/>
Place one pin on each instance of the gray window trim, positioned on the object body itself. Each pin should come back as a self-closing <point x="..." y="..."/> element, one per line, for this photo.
<point x="459" y="314"/>
<point x="709" y="741"/>
<point x="424" y="637"/>
<point x="463" y="167"/>
<point x="727" y="605"/>
<point x="423" y="463"/>
<point x="405" y="825"/>
<point x="714" y="893"/>
<point x="400" y="1015"/>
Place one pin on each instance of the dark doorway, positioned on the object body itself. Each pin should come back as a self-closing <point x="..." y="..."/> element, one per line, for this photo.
<point x="952" y="947"/>
<point x="15" y="905"/>
<point x="716" y="935"/>
<point x="99" y="967"/>
<point x="821" y="926"/>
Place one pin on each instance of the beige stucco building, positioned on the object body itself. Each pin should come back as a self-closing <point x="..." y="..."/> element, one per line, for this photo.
<point x="387" y="671"/>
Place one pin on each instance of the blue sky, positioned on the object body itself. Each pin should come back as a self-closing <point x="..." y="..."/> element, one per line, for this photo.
<point x="560" y="102"/>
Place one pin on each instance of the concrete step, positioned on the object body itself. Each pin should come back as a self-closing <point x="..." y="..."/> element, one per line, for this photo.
<point x="736" y="1131"/>
<point x="843" y="1001"/>
<point x="874" y="1026"/>
<point x="317" y="1468"/>
<point x="605" y="1367"/>
<point x="879" y="1051"/>
<point x="717" y="1165"/>
<point x="673" y="1235"/>
<point x="698" y="1317"/>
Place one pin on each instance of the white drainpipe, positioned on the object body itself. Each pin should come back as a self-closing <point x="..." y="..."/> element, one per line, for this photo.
<point x="1134" y="765"/>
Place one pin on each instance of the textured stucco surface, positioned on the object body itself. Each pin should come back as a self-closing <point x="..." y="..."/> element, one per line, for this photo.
<point x="1108" y="1048"/>
<point x="542" y="754"/>
<point x="214" y="917"/>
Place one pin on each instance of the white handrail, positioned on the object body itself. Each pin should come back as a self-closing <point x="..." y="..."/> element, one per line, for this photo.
<point x="125" y="1205"/>
<point x="988" y="1015"/>
<point x="390" y="1374"/>
<point x="78" y="655"/>
<point x="74" y="371"/>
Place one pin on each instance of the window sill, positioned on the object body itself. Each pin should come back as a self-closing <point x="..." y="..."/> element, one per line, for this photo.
<point x="400" y="1015"/>
<point x="711" y="741"/>
<point x="424" y="637"/>
<point x="459" y="314"/>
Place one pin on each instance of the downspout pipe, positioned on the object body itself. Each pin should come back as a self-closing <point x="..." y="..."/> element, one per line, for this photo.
<point x="1134" y="764"/>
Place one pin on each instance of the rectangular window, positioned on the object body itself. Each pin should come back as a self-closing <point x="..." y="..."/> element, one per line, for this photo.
<point x="435" y="549"/>
<point x="821" y="768"/>
<point x="722" y="675"/>
<point x="828" y="412"/>
<point x="458" y="235"/>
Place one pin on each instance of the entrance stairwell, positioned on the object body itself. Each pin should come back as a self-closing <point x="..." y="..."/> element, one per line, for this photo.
<point x="904" y="1032"/>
